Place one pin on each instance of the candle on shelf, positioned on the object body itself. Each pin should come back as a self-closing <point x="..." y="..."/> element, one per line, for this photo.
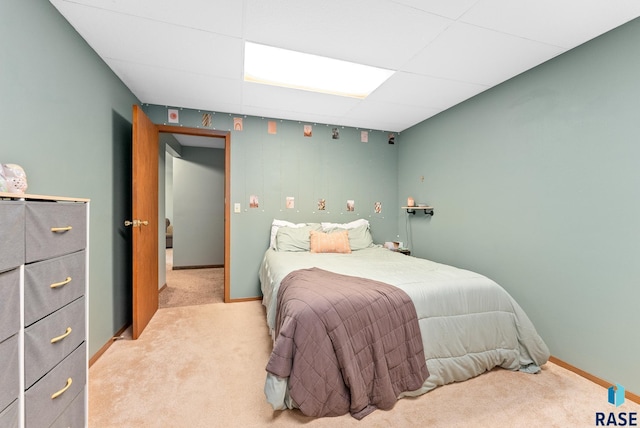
<point x="410" y="202"/>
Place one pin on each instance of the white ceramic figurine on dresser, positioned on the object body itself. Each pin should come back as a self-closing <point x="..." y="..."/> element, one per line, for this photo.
<point x="13" y="179"/>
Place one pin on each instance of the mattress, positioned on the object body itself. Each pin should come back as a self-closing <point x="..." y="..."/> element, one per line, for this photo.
<point x="469" y="324"/>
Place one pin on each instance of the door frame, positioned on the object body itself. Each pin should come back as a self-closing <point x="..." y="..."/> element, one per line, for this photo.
<point x="227" y="188"/>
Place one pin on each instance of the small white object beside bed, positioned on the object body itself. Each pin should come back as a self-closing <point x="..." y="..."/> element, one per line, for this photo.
<point x="468" y="323"/>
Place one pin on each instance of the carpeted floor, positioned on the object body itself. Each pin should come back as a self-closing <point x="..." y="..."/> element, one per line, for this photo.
<point x="186" y="287"/>
<point x="203" y="366"/>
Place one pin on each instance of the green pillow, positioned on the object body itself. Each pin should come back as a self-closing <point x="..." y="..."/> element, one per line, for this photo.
<point x="360" y="237"/>
<point x="295" y="238"/>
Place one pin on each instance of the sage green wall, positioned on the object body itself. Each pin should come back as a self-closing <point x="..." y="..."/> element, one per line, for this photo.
<point x="198" y="233"/>
<point x="66" y="118"/>
<point x="536" y="184"/>
<point x="162" y="203"/>
<point x="274" y="167"/>
<point x="168" y="190"/>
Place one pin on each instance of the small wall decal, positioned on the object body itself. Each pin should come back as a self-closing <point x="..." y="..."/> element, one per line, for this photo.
<point x="206" y="119"/>
<point x="308" y="130"/>
<point x="291" y="202"/>
<point x="237" y="124"/>
<point x="321" y="204"/>
<point x="173" y="116"/>
<point x="253" y="201"/>
<point x="335" y="134"/>
<point x="351" y="205"/>
<point x="364" y="136"/>
<point x="272" y="127"/>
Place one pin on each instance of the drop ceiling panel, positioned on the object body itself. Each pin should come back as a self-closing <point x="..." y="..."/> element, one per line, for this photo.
<point x="222" y="17"/>
<point x="257" y="95"/>
<point x="565" y="23"/>
<point x="389" y="117"/>
<point x="424" y="91"/>
<point x="449" y="9"/>
<point x="179" y="88"/>
<point x="379" y="33"/>
<point x="475" y="55"/>
<point x="140" y="41"/>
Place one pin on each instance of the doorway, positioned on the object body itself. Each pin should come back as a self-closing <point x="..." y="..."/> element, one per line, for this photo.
<point x="197" y="137"/>
<point x="194" y="211"/>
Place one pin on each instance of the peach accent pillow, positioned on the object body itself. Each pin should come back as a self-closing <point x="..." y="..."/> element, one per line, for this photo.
<point x="335" y="242"/>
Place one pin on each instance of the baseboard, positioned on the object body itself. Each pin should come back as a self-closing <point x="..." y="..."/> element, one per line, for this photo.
<point x="244" y="299"/>
<point x="197" y="267"/>
<point x="628" y="394"/>
<point x="107" y="345"/>
<point x="162" y="288"/>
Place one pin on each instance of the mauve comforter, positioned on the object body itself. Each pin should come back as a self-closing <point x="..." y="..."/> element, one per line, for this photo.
<point x="347" y="344"/>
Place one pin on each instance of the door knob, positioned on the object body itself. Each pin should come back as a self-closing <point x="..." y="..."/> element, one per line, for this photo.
<point x="136" y="223"/>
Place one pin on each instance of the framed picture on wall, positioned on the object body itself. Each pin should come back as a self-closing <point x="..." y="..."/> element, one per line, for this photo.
<point x="364" y="136"/>
<point x="308" y="130"/>
<point x="173" y="116"/>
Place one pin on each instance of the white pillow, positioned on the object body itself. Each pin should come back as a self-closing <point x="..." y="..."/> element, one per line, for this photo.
<point x="277" y="224"/>
<point x="352" y="225"/>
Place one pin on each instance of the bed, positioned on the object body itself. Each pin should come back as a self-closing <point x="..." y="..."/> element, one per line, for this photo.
<point x="468" y="323"/>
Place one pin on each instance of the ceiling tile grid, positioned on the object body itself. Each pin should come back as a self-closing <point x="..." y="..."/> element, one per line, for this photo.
<point x="190" y="53"/>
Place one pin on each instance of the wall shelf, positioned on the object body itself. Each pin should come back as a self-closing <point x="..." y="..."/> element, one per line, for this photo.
<point x="412" y="210"/>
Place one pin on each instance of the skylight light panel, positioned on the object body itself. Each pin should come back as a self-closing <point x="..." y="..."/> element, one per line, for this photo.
<point x="290" y="69"/>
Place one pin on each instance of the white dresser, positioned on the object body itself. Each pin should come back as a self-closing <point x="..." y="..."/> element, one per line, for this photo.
<point x="43" y="311"/>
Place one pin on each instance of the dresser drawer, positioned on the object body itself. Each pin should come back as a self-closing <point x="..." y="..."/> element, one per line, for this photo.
<point x="9" y="372"/>
<point x="73" y="416"/>
<point x="9" y="416"/>
<point x="9" y="303"/>
<point x="66" y="327"/>
<point x="41" y="410"/>
<point x="11" y="234"/>
<point x="51" y="284"/>
<point x="54" y="229"/>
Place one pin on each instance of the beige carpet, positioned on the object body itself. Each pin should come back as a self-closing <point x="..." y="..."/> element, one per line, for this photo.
<point x="203" y="366"/>
<point x="186" y="287"/>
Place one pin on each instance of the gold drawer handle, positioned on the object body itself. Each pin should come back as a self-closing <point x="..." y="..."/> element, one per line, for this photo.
<point x="60" y="284"/>
<point x="61" y="229"/>
<point x="62" y="336"/>
<point x="63" y="390"/>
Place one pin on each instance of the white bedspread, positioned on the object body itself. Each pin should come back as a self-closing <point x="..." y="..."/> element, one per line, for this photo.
<point x="469" y="324"/>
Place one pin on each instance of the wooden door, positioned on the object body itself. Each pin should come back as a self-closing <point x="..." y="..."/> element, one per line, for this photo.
<point x="145" y="220"/>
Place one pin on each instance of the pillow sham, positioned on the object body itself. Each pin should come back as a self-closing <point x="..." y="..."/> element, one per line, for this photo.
<point x="295" y="238"/>
<point x="360" y="237"/>
<point x="275" y="225"/>
<point x="336" y="242"/>
<point x="330" y="226"/>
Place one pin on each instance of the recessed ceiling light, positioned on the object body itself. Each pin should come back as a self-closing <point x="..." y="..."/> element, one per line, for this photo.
<point x="291" y="69"/>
